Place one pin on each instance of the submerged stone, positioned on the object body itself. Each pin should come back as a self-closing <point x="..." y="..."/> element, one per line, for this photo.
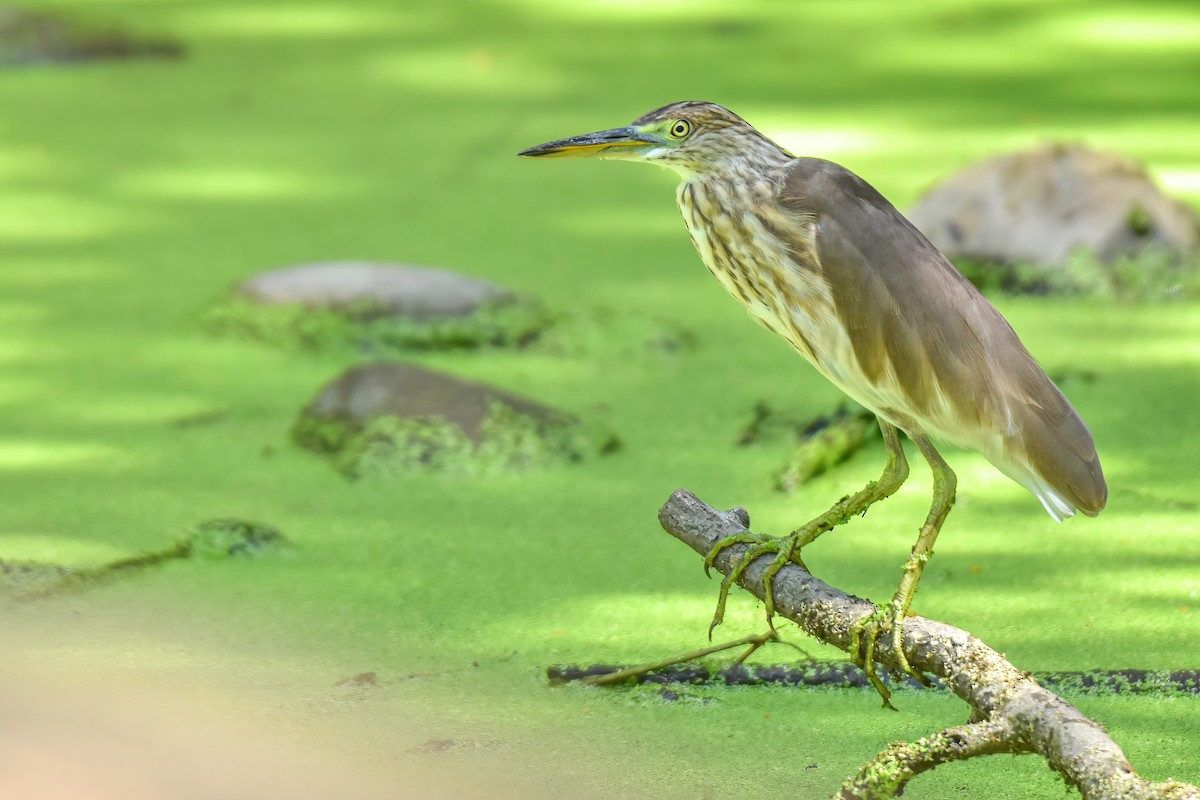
<point x="387" y="416"/>
<point x="377" y="308"/>
<point x="360" y="288"/>
<point x="1047" y="208"/>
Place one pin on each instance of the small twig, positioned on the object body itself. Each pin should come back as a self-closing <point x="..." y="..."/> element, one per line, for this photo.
<point x="622" y="675"/>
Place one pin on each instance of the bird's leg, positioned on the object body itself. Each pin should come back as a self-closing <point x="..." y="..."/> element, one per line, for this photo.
<point x="787" y="548"/>
<point x="895" y="472"/>
<point x="866" y="630"/>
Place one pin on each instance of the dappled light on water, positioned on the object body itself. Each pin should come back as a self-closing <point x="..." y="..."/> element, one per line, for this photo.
<point x="300" y="20"/>
<point x="227" y="182"/>
<point x="51" y="455"/>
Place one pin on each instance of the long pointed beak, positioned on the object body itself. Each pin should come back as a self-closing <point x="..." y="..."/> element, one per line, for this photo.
<point x="592" y="144"/>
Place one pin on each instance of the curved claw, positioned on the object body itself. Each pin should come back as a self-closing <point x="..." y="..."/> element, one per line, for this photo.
<point x="863" y="635"/>
<point x="758" y="548"/>
<point x="784" y="549"/>
<point x="719" y="614"/>
<point x="864" y="658"/>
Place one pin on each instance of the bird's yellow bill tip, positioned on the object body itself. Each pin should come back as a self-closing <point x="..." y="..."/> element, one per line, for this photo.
<point x="573" y="150"/>
<point x="591" y="144"/>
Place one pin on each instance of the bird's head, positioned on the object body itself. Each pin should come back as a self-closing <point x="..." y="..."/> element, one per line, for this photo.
<point x="690" y="137"/>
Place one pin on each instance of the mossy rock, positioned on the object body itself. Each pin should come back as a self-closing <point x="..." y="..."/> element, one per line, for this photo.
<point x="376" y="308"/>
<point x="363" y="330"/>
<point x="389" y="417"/>
<point x="1063" y="218"/>
<point x="392" y="309"/>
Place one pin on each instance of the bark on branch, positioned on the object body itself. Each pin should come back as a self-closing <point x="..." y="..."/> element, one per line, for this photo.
<point x="1010" y="712"/>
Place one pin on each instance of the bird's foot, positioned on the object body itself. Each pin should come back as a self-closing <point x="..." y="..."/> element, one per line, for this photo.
<point x="785" y="550"/>
<point x="865" y="632"/>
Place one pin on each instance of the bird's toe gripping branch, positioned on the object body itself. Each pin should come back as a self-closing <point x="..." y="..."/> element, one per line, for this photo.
<point x="865" y="632"/>
<point x="785" y="549"/>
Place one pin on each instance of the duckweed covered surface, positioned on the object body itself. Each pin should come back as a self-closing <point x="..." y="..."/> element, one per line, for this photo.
<point x="134" y="194"/>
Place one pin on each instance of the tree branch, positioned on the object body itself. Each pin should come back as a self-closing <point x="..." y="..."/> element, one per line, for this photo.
<point x="888" y="773"/>
<point x="1010" y="712"/>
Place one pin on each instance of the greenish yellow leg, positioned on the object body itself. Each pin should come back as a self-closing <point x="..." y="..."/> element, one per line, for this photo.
<point x="867" y="664"/>
<point x="892" y="617"/>
<point x="787" y="548"/>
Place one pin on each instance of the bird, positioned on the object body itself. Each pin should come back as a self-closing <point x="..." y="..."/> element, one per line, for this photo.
<point x="818" y="256"/>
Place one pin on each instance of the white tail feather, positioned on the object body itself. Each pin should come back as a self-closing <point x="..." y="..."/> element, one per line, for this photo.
<point x="1055" y="504"/>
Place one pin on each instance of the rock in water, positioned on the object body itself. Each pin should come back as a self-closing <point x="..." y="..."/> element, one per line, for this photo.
<point x="362" y="288"/>
<point x="377" y="308"/>
<point x="1044" y="205"/>
<point x="387" y="417"/>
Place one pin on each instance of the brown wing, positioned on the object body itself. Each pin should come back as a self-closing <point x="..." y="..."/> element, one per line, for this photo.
<point x="905" y="306"/>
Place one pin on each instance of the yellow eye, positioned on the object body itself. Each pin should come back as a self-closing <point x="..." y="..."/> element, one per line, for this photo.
<point x="680" y="128"/>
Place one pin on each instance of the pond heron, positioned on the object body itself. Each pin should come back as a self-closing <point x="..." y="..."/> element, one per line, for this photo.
<point x="818" y="256"/>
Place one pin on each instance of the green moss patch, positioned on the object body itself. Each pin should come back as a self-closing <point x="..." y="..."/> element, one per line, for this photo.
<point x="214" y="538"/>
<point x="1154" y="275"/>
<point x="508" y="441"/>
<point x="369" y="329"/>
<point x="389" y="417"/>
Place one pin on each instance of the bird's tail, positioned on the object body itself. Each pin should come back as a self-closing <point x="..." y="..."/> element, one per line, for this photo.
<point x="1054" y="457"/>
